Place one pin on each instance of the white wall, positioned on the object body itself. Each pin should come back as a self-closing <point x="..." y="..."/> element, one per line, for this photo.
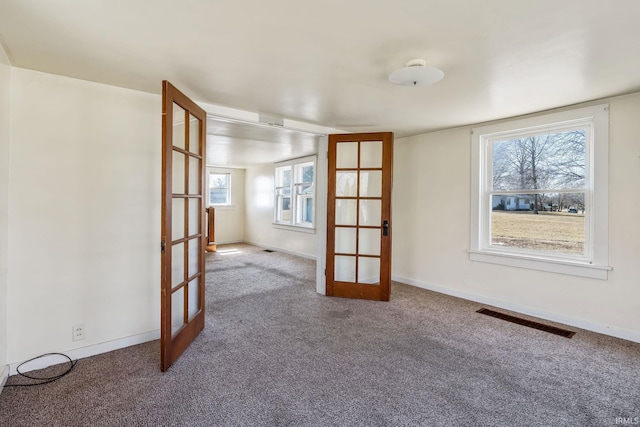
<point x="259" y="229"/>
<point x="230" y="219"/>
<point x="431" y="216"/>
<point x="84" y="213"/>
<point x="5" y="90"/>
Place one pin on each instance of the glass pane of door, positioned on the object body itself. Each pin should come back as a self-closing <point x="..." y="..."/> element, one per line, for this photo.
<point x="345" y="270"/>
<point x="177" y="311"/>
<point x="194" y="134"/>
<point x="178" y="183"/>
<point x="371" y="154"/>
<point x="345" y="240"/>
<point x="347" y="155"/>
<point x="194" y="297"/>
<point x="178" y="127"/>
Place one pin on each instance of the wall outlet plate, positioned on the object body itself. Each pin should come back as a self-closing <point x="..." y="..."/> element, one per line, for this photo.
<point x="78" y="332"/>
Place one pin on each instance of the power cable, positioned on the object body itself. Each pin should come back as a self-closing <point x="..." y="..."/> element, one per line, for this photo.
<point x="43" y="380"/>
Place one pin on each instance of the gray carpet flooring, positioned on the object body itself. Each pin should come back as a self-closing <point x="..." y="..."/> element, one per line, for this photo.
<point x="275" y="353"/>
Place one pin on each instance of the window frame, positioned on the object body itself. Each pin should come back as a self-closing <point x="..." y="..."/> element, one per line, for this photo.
<point x="295" y="165"/>
<point x="228" y="188"/>
<point x="594" y="263"/>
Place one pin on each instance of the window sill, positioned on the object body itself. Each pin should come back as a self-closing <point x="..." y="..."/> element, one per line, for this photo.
<point x="299" y="228"/>
<point x="572" y="268"/>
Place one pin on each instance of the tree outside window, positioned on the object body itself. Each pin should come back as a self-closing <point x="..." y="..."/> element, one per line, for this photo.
<point x="542" y="174"/>
<point x="540" y="192"/>
<point x="219" y="189"/>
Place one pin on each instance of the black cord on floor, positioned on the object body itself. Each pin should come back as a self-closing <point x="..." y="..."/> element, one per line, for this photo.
<point x="43" y="380"/>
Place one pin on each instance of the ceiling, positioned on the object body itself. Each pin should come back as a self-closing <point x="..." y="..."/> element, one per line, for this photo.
<point x="327" y="62"/>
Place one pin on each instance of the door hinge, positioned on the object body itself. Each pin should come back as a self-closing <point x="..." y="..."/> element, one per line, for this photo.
<point x="325" y="272"/>
<point x="162" y="246"/>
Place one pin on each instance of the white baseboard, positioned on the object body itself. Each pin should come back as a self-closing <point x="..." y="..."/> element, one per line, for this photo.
<point x="91" y="350"/>
<point x="286" y="251"/>
<point x="4" y="376"/>
<point x="554" y="317"/>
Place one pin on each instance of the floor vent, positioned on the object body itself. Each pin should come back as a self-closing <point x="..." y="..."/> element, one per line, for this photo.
<point x="268" y="250"/>
<point x="535" y="325"/>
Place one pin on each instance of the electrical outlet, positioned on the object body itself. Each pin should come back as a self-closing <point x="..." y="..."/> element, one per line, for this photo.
<point x="78" y="332"/>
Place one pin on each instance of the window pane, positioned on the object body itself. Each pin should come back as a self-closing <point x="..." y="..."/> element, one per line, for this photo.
<point x="219" y="180"/>
<point x="283" y="176"/>
<point x="219" y="193"/>
<point x="294" y="193"/>
<point x="218" y="197"/>
<point x="304" y="210"/>
<point x="558" y="226"/>
<point x="304" y="172"/>
<point x="283" y="206"/>
<point x="307" y="213"/>
<point x="549" y="161"/>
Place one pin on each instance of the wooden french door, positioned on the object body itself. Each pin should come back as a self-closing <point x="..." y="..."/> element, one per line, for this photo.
<point x="359" y="216"/>
<point x="183" y="223"/>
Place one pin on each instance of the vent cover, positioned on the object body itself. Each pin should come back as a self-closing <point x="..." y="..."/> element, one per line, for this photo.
<point x="535" y="325"/>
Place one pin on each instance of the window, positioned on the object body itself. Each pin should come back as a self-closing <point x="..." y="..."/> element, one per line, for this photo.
<point x="539" y="196"/>
<point x="219" y="189"/>
<point x="295" y="192"/>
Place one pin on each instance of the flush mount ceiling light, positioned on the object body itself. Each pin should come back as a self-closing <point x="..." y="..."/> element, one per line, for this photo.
<point x="416" y="73"/>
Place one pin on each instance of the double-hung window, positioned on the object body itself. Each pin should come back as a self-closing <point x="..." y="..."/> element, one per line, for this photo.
<point x="219" y="189"/>
<point x="539" y="193"/>
<point x="295" y="192"/>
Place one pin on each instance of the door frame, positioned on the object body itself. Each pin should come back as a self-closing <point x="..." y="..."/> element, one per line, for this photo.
<point x="322" y="177"/>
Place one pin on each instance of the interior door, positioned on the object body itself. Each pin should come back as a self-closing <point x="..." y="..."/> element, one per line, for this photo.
<point x="183" y="223"/>
<point x="359" y="216"/>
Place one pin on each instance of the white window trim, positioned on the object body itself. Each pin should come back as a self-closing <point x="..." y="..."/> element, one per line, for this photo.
<point x="595" y="263"/>
<point x="229" y="203"/>
<point x="292" y="225"/>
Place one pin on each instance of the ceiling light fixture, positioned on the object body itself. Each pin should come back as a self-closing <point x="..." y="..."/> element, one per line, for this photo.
<point x="416" y="73"/>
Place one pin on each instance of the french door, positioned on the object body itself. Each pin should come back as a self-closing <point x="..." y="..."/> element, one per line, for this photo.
<point x="359" y="216"/>
<point x="183" y="223"/>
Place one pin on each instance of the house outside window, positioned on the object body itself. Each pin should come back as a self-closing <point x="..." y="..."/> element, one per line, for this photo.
<point x="219" y="189"/>
<point x="539" y="193"/>
<point x="294" y="202"/>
